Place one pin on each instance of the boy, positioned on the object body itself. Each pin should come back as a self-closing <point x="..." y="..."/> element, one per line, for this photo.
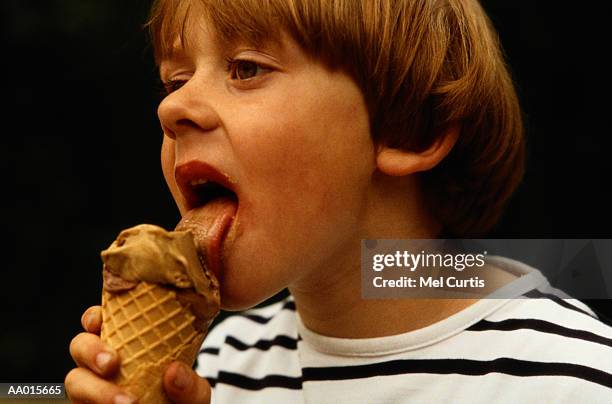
<point x="329" y="122"/>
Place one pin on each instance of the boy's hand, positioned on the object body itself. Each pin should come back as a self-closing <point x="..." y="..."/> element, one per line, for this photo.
<point x="96" y="361"/>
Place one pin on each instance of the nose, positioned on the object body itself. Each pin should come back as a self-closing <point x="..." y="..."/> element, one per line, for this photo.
<point x="187" y="109"/>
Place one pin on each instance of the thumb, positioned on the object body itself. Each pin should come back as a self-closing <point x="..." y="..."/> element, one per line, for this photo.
<point x="183" y="385"/>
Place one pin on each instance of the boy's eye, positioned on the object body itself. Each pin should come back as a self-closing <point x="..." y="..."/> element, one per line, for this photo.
<point x="244" y="69"/>
<point x="171" y="86"/>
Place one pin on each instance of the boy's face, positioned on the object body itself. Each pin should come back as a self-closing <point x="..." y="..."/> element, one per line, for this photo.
<point x="293" y="140"/>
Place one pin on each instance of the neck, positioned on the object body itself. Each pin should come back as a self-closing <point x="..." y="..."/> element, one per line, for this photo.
<point x="336" y="309"/>
<point x="329" y="302"/>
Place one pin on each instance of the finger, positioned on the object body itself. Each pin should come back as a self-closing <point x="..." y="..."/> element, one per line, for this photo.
<point x="92" y="319"/>
<point x="184" y="386"/>
<point x="90" y="352"/>
<point x="84" y="386"/>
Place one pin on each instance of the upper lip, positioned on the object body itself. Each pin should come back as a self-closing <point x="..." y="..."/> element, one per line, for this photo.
<point x="193" y="173"/>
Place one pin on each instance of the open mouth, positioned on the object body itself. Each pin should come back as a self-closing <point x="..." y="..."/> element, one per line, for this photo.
<point x="211" y="205"/>
<point x="203" y="191"/>
<point x="200" y="183"/>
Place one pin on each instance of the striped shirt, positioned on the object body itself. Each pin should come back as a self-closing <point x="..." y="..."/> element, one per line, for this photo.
<point x="535" y="349"/>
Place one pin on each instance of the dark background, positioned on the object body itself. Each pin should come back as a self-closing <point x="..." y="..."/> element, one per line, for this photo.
<point x="80" y="144"/>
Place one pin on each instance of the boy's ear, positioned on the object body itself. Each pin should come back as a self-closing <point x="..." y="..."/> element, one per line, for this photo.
<point x="398" y="162"/>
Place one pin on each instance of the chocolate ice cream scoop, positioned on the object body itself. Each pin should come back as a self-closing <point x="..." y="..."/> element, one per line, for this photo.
<point x="151" y="254"/>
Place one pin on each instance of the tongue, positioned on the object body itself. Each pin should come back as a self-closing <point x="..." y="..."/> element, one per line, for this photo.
<point x="209" y="225"/>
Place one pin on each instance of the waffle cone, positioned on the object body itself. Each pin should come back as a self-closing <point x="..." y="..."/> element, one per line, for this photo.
<point x="149" y="326"/>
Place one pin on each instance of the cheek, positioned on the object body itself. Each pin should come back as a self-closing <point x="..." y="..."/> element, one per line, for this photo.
<point x="307" y="144"/>
<point x="311" y="173"/>
<point x="329" y="158"/>
<point x="167" y="163"/>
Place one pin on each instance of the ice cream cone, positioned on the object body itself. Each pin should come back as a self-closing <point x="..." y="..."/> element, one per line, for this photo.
<point x="149" y="328"/>
<point x="151" y="324"/>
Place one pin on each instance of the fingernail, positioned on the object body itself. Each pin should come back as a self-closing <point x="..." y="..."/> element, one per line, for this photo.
<point x="123" y="399"/>
<point x="102" y="359"/>
<point x="181" y="378"/>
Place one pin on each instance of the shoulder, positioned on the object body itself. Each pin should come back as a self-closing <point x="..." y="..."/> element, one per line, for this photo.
<point x="541" y="313"/>
<point x="548" y="337"/>
<point x="545" y="304"/>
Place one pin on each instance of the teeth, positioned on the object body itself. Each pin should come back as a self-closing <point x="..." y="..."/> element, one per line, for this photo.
<point x="197" y="182"/>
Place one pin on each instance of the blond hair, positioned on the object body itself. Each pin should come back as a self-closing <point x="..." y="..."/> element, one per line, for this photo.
<point x="424" y="66"/>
